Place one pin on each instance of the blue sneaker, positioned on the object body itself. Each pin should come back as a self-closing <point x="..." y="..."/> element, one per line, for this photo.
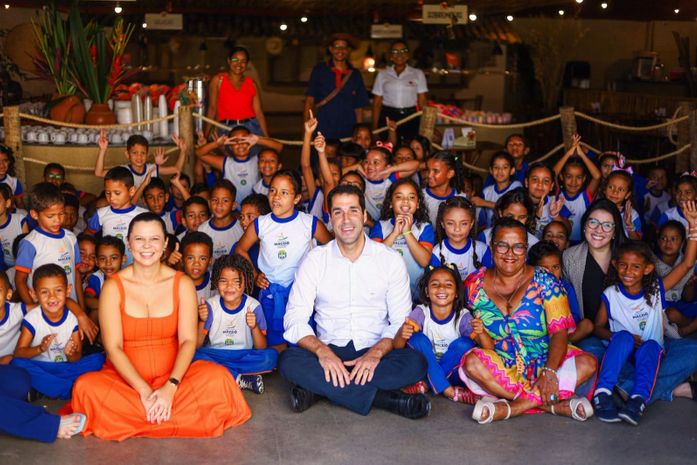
<point x="633" y="410"/>
<point x="604" y="407"/>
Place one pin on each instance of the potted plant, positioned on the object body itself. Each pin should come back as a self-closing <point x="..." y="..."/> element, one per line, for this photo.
<point x="97" y="62"/>
<point x="52" y="62"/>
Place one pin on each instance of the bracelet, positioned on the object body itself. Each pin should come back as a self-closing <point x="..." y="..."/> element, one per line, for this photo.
<point x="692" y="237"/>
<point x="406" y="233"/>
<point x="550" y="370"/>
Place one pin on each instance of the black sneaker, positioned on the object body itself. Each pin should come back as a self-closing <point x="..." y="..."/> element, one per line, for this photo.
<point x="604" y="408"/>
<point x="410" y="406"/>
<point x="254" y="383"/>
<point x="301" y="399"/>
<point x="633" y="410"/>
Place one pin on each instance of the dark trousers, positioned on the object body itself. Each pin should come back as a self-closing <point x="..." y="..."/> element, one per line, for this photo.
<point x="19" y="417"/>
<point x="399" y="368"/>
<point x="406" y="131"/>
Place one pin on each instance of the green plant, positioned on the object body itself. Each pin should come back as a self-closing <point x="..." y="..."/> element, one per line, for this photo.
<point x="53" y="47"/>
<point x="96" y="56"/>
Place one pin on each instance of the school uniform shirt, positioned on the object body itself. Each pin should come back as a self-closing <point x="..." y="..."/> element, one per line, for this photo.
<point x="14" y="183"/>
<point x="375" y="192"/>
<point x="10" y="327"/>
<point x="11" y="273"/>
<point x="422" y="232"/>
<point x="261" y="188"/>
<point x="316" y="205"/>
<point x="546" y="217"/>
<point x="139" y="177"/>
<point x="519" y="175"/>
<point x="433" y="201"/>
<point x="655" y="206"/>
<point x="224" y="238"/>
<point x="444" y="253"/>
<point x="40" y="326"/>
<point x="8" y="231"/>
<point x="95" y="283"/>
<point x="400" y="90"/>
<point x="485" y="237"/>
<point x="244" y="174"/>
<point x="115" y="222"/>
<point x="572" y="298"/>
<point x="227" y="327"/>
<point x="171" y="219"/>
<point x="636" y="222"/>
<point x="283" y="243"/>
<point x="40" y="247"/>
<point x="627" y="312"/>
<point x="674" y="294"/>
<point x="673" y="213"/>
<point x="492" y="194"/>
<point x="443" y="332"/>
<point x="203" y="290"/>
<point x="576" y="206"/>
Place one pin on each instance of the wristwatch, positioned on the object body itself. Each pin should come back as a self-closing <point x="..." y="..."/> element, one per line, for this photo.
<point x="174" y="381"/>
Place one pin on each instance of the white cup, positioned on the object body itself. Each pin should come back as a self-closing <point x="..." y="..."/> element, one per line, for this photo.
<point x="43" y="137"/>
<point x="94" y="136"/>
<point x="58" y="138"/>
<point x="116" y="138"/>
<point x="31" y="136"/>
<point x="147" y="134"/>
<point x="72" y="138"/>
<point x="82" y="139"/>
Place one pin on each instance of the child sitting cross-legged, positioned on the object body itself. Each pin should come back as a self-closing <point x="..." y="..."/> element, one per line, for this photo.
<point x="234" y="326"/>
<point x="49" y="346"/>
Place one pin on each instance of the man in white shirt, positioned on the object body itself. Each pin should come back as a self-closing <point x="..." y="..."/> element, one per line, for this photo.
<point x="359" y="292"/>
<point x="397" y="92"/>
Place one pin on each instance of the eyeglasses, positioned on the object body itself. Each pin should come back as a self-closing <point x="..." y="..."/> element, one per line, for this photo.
<point x="502" y="248"/>
<point x="672" y="239"/>
<point x="399" y="51"/>
<point x="237" y="60"/>
<point x="340" y="47"/>
<point x="606" y="226"/>
<point x="55" y="176"/>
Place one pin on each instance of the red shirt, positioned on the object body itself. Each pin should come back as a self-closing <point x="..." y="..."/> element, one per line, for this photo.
<point x="233" y="103"/>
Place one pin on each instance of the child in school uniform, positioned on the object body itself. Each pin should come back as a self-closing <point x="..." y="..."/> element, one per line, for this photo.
<point x="155" y="197"/>
<point x="87" y="244"/>
<point x="231" y="154"/>
<point x="222" y="228"/>
<point x="114" y="219"/>
<point x="11" y="225"/>
<point x="11" y="316"/>
<point x="49" y="346"/>
<point x="285" y="236"/>
<point x="502" y="169"/>
<point x="8" y="175"/>
<point x="197" y="250"/>
<point x="685" y="191"/>
<point x="657" y="198"/>
<point x="539" y="183"/>
<point x="514" y="204"/>
<point x="253" y="206"/>
<point x="194" y="212"/>
<point x="110" y="257"/>
<point x="137" y="148"/>
<point x="269" y="164"/>
<point x="445" y="180"/>
<point x="234" y="326"/>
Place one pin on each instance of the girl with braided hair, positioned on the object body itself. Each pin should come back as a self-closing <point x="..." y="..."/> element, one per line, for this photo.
<point x="233" y="327"/>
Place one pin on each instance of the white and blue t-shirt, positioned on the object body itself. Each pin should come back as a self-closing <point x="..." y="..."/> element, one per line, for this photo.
<point x="636" y="222"/>
<point x="95" y="283"/>
<point x="40" y="326"/>
<point x="424" y="235"/>
<point x="224" y="238"/>
<point x="115" y="222"/>
<point x="673" y="213"/>
<point x="546" y="217"/>
<point x="655" y="206"/>
<point x="261" y="187"/>
<point x="443" y="332"/>
<point x="203" y="290"/>
<point x="8" y="231"/>
<point x="375" y="192"/>
<point x="9" y="327"/>
<point x="244" y="174"/>
<point x="463" y="258"/>
<point x="227" y="327"/>
<point x="283" y="243"/>
<point x="40" y="247"/>
<point x="492" y="194"/>
<point x="627" y="312"/>
<point x="139" y="177"/>
<point x="576" y="206"/>
<point x="171" y="219"/>
<point x="433" y="201"/>
<point x="14" y="183"/>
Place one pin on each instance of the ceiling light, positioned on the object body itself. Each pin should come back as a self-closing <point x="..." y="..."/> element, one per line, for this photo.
<point x="7" y="5"/>
<point x="676" y="11"/>
<point x="579" y="1"/>
<point x="509" y="18"/>
<point x="145" y="25"/>
<point x="283" y="26"/>
<point x="118" y="9"/>
<point x="473" y="17"/>
<point x="303" y="19"/>
<point x="603" y="5"/>
<point x="561" y="12"/>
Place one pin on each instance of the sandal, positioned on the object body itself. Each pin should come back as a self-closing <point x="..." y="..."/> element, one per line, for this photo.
<point x="417" y="388"/>
<point x="464" y="396"/>
<point x="70" y="419"/>
<point x="478" y="412"/>
<point x="574" y="404"/>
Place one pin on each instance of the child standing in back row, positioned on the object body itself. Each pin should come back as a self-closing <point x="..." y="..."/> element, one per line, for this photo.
<point x="502" y="169"/>
<point x="285" y="236"/>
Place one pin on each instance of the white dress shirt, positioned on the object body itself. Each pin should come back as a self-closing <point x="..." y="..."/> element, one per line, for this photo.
<point x="400" y="91"/>
<point x="362" y="301"/>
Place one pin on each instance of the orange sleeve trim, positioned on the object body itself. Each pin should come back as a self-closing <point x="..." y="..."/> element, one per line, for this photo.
<point x="377" y="239"/>
<point x="426" y="245"/>
<point x="91" y="292"/>
<point x="23" y="269"/>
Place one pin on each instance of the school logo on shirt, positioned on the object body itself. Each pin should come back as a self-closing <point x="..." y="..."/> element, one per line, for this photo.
<point x="281" y="241"/>
<point x="282" y="254"/>
<point x="243" y="182"/>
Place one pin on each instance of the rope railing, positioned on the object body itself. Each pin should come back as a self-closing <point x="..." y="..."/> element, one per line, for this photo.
<point x="500" y="126"/>
<point x="92" y="126"/>
<point x="644" y="160"/>
<point x="484" y="170"/>
<point x="622" y="127"/>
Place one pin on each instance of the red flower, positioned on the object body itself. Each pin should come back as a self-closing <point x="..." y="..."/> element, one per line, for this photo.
<point x="93" y="54"/>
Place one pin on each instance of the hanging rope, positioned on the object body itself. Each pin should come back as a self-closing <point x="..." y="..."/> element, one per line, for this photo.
<point x="82" y="168"/>
<point x="500" y="126"/>
<point x="89" y="126"/>
<point x="644" y="160"/>
<point x="622" y="127"/>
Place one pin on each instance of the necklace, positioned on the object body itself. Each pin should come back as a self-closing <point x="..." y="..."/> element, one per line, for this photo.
<point x="510" y="297"/>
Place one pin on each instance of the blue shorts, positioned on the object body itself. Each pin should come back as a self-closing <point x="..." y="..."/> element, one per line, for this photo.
<point x="688" y="309"/>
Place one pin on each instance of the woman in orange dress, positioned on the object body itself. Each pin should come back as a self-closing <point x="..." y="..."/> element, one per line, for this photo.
<point x="149" y="387"/>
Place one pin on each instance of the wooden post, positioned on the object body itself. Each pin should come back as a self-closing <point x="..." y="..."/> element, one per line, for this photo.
<point x="13" y="139"/>
<point x="693" y="139"/>
<point x="568" y="125"/>
<point x="186" y="131"/>
<point x="428" y="122"/>
<point x="683" y="161"/>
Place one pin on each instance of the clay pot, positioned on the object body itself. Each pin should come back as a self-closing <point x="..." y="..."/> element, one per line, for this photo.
<point x="67" y="109"/>
<point x="100" y="114"/>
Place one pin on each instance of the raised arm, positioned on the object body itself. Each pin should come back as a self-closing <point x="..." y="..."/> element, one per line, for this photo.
<point x="305" y="162"/>
<point x="205" y="153"/>
<point x="177" y="167"/>
<point x="103" y="142"/>
<point x="679" y="271"/>
<point x="558" y="166"/>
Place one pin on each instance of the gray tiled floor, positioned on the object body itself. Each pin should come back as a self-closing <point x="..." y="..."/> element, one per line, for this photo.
<point x="326" y="434"/>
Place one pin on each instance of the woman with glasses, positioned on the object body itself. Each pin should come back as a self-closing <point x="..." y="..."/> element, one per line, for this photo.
<point x="526" y="313"/>
<point x="399" y="91"/>
<point x="233" y="98"/>
<point x="586" y="266"/>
